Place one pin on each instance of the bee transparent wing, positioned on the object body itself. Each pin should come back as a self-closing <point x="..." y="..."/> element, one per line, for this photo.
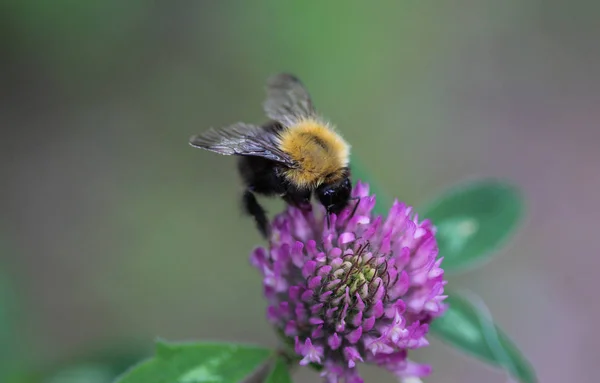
<point x="287" y="99"/>
<point x="243" y="140"/>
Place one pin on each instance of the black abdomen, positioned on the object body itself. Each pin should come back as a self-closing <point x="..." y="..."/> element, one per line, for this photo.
<point x="261" y="175"/>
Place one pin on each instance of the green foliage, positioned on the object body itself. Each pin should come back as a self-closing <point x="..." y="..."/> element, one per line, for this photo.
<point x="101" y="366"/>
<point x="280" y="373"/>
<point x="468" y="329"/>
<point x="89" y="373"/>
<point x="6" y="325"/>
<point x="10" y="349"/>
<point x="199" y="362"/>
<point x="473" y="220"/>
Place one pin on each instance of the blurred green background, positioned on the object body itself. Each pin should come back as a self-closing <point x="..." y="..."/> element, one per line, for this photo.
<point x="114" y="231"/>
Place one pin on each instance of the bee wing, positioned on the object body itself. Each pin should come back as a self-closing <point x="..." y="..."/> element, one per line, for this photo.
<point x="287" y="99"/>
<point x="243" y="140"/>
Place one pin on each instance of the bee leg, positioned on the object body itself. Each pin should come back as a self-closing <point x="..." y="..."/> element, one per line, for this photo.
<point x="298" y="198"/>
<point x="355" y="206"/>
<point x="327" y="213"/>
<point x="253" y="208"/>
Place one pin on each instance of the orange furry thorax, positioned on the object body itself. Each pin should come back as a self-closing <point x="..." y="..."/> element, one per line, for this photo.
<point x="321" y="153"/>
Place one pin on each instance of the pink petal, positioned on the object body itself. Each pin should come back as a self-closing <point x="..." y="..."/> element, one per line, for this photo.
<point x="355" y="335"/>
<point x="334" y="341"/>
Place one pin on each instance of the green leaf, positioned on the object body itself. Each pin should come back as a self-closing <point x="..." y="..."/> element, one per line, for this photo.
<point x="198" y="363"/>
<point x="12" y="355"/>
<point x="6" y="318"/>
<point x="469" y="329"/>
<point x="95" y="366"/>
<point x="280" y="373"/>
<point x="89" y="373"/>
<point x="472" y="221"/>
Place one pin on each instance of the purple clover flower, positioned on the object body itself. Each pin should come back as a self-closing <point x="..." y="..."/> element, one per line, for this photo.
<point x="361" y="290"/>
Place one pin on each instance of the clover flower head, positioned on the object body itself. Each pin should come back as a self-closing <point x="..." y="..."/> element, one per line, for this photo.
<point x="361" y="289"/>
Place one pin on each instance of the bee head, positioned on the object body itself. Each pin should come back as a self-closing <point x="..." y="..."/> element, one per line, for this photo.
<point x="335" y="196"/>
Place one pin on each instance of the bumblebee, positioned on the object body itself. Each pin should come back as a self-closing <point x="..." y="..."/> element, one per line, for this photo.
<point x="292" y="156"/>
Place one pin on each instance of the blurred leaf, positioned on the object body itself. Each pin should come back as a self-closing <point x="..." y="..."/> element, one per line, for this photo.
<point x="473" y="220"/>
<point x="91" y="373"/>
<point x="11" y="350"/>
<point x="115" y="359"/>
<point x="383" y="201"/>
<point x="280" y="373"/>
<point x="357" y="50"/>
<point x="101" y="366"/>
<point x="6" y="320"/>
<point x="198" y="362"/>
<point x="466" y="327"/>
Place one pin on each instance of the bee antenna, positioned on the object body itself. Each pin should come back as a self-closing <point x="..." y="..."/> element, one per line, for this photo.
<point x="328" y="220"/>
